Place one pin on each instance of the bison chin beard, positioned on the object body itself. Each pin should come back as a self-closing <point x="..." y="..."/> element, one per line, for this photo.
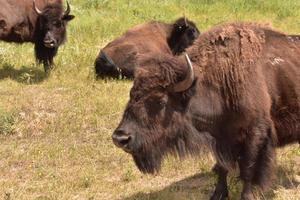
<point x="186" y="141"/>
<point x="148" y="162"/>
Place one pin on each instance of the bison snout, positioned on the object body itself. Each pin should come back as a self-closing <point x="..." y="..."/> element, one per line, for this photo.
<point x="49" y="40"/>
<point x="50" y="43"/>
<point x="123" y="140"/>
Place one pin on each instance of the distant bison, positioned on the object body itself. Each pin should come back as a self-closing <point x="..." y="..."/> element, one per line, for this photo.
<point x="241" y="98"/>
<point x="120" y="57"/>
<point x="41" y="23"/>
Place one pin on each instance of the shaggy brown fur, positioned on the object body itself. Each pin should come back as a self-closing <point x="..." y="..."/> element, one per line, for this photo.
<point x="244" y="102"/>
<point x="120" y="57"/>
<point x="20" y="23"/>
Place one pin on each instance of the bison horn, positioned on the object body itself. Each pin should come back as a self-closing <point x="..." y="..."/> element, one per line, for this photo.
<point x="185" y="21"/>
<point x="68" y="10"/>
<point x="189" y="78"/>
<point x="36" y="9"/>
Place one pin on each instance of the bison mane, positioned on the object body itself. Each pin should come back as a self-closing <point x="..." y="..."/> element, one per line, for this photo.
<point x="227" y="55"/>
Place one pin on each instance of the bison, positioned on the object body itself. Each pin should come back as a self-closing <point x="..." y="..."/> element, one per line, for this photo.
<point x="120" y="57"/>
<point x="42" y="23"/>
<point x="238" y="92"/>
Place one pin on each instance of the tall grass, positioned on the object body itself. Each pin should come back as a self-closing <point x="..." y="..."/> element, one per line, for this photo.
<point x="57" y="129"/>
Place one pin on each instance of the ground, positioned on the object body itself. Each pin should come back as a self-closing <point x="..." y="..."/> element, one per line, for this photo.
<point x="55" y="131"/>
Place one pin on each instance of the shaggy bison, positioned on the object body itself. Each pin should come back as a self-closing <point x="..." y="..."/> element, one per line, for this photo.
<point x="240" y="93"/>
<point x="120" y="57"/>
<point x="42" y="23"/>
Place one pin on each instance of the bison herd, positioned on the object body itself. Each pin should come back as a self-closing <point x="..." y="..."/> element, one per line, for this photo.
<point x="234" y="89"/>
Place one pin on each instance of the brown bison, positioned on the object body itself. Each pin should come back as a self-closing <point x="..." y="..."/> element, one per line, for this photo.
<point x="40" y="22"/>
<point x="120" y="57"/>
<point x="240" y="93"/>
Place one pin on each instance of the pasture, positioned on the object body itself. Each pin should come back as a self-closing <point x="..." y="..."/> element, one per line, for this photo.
<point x="55" y="131"/>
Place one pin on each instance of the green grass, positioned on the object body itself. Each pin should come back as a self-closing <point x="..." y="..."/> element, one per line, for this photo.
<point x="55" y="132"/>
<point x="7" y="121"/>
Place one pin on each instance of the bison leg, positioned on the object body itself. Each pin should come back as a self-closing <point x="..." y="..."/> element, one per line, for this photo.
<point x="221" y="191"/>
<point x="257" y="160"/>
<point x="247" y="193"/>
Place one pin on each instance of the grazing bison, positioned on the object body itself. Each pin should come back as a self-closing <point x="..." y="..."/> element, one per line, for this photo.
<point x="42" y="23"/>
<point x="120" y="57"/>
<point x="242" y="98"/>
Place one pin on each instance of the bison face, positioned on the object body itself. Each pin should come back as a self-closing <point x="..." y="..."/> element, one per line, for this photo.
<point x="183" y="35"/>
<point x="52" y="24"/>
<point x="140" y="133"/>
<point x="156" y="119"/>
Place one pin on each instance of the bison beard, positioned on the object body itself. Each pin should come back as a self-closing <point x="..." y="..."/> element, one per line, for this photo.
<point x="148" y="161"/>
<point x="177" y="137"/>
<point x="182" y="141"/>
<point x="43" y="54"/>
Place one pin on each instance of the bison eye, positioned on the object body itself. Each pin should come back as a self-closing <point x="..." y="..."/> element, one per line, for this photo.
<point x="154" y="106"/>
<point x="162" y="104"/>
<point x="58" y="24"/>
<point x="159" y="105"/>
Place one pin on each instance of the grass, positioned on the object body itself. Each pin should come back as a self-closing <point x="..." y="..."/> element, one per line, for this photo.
<point x="7" y="121"/>
<point x="55" y="130"/>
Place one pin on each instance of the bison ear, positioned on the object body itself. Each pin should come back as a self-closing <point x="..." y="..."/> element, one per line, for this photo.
<point x="68" y="17"/>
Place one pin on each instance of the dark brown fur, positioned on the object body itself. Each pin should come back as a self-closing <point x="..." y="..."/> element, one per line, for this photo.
<point x="19" y="23"/>
<point x="123" y="53"/>
<point x="244" y="102"/>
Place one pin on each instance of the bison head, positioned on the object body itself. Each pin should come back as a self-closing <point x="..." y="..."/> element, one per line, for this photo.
<point x="52" y="24"/>
<point x="105" y="66"/>
<point x="183" y="34"/>
<point x="156" y="120"/>
<point x="124" y="55"/>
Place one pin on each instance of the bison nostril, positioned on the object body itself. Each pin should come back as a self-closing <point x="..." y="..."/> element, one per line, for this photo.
<point x="124" y="140"/>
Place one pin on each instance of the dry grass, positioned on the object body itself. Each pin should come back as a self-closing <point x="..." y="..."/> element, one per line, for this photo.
<point x="55" y="131"/>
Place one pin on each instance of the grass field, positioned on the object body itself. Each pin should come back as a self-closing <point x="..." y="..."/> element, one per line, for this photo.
<point x="55" y="132"/>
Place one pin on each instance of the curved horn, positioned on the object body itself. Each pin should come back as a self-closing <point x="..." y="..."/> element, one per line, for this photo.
<point x="36" y="9"/>
<point x="185" y="21"/>
<point x="68" y="10"/>
<point x="189" y="78"/>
